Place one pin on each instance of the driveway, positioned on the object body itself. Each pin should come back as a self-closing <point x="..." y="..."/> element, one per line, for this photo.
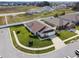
<point x="58" y="43"/>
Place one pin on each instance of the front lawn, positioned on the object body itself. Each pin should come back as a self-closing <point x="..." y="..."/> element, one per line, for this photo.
<point x="25" y="37"/>
<point x="66" y="34"/>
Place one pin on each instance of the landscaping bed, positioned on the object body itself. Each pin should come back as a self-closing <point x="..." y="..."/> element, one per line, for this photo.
<point x="66" y="34"/>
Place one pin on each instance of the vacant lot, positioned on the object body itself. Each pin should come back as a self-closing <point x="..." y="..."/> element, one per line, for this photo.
<point x="25" y="17"/>
<point x="10" y="9"/>
<point x="25" y="37"/>
<point x="2" y="20"/>
<point x="66" y="34"/>
<point x="21" y="18"/>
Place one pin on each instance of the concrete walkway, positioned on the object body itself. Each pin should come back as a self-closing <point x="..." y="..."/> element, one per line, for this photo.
<point x="71" y="38"/>
<point x="58" y="43"/>
<point x="16" y="38"/>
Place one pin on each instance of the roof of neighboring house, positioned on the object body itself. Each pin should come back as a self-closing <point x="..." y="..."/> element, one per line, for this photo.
<point x="70" y="17"/>
<point x="47" y="8"/>
<point x="55" y="21"/>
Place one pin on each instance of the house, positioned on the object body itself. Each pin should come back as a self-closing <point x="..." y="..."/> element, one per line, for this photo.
<point x="33" y="11"/>
<point x="55" y="22"/>
<point x="59" y="23"/>
<point x="39" y="29"/>
<point x="40" y="10"/>
<point x="72" y="17"/>
<point x="47" y="8"/>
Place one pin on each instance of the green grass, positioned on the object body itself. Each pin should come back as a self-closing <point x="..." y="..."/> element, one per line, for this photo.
<point x="66" y="34"/>
<point x="26" y="50"/>
<point x="24" y="38"/>
<point x="77" y="27"/>
<point x="72" y="40"/>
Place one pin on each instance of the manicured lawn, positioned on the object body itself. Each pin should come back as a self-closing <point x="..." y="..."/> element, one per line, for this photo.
<point x="66" y="34"/>
<point x="25" y="37"/>
<point x="72" y="40"/>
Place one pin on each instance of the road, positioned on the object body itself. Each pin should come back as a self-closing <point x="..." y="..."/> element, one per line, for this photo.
<point x="6" y="48"/>
<point x="11" y="14"/>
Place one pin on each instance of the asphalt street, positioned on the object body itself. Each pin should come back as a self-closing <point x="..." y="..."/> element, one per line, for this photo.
<point x="6" y="48"/>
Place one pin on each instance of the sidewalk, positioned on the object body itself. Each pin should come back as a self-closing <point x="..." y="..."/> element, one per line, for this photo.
<point x="71" y="38"/>
<point x="16" y="38"/>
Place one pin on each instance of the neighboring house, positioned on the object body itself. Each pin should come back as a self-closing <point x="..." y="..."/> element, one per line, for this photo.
<point x="73" y="17"/>
<point x="40" y="10"/>
<point x="61" y="6"/>
<point x="55" y="22"/>
<point x="59" y="23"/>
<point x="47" y="8"/>
<point x="34" y="11"/>
<point x="40" y="29"/>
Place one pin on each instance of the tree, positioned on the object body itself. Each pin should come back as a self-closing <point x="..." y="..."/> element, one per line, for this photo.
<point x="30" y="43"/>
<point x="76" y="6"/>
<point x="44" y="3"/>
<point x="17" y="32"/>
